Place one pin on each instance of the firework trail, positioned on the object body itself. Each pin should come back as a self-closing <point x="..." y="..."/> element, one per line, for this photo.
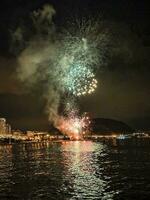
<point x="82" y="52"/>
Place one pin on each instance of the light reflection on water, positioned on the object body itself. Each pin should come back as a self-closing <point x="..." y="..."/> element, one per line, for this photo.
<point x="73" y="170"/>
<point x="81" y="169"/>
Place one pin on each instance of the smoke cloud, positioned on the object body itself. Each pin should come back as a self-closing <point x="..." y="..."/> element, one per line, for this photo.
<point x="35" y="60"/>
<point x="47" y="55"/>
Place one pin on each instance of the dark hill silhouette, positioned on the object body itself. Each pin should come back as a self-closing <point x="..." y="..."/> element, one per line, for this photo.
<point x="101" y="125"/>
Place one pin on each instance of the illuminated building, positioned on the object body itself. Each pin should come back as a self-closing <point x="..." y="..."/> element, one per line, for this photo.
<point x="2" y="126"/>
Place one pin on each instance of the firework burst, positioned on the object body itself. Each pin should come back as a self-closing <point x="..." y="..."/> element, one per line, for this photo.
<point x="80" y="80"/>
<point x="82" y="52"/>
<point x="74" y="126"/>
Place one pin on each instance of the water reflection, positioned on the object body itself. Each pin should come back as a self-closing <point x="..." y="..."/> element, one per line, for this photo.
<point x="74" y="170"/>
<point x="82" y="170"/>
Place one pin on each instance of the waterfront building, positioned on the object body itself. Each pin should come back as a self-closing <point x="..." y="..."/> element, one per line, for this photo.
<point x="3" y="126"/>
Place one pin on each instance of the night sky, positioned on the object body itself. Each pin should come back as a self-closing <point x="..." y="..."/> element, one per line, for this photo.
<point x="124" y="85"/>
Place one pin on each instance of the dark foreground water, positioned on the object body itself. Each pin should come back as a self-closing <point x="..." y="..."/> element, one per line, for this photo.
<point x="74" y="170"/>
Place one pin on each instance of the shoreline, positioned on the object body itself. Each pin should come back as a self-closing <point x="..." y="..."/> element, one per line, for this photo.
<point x="98" y="138"/>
